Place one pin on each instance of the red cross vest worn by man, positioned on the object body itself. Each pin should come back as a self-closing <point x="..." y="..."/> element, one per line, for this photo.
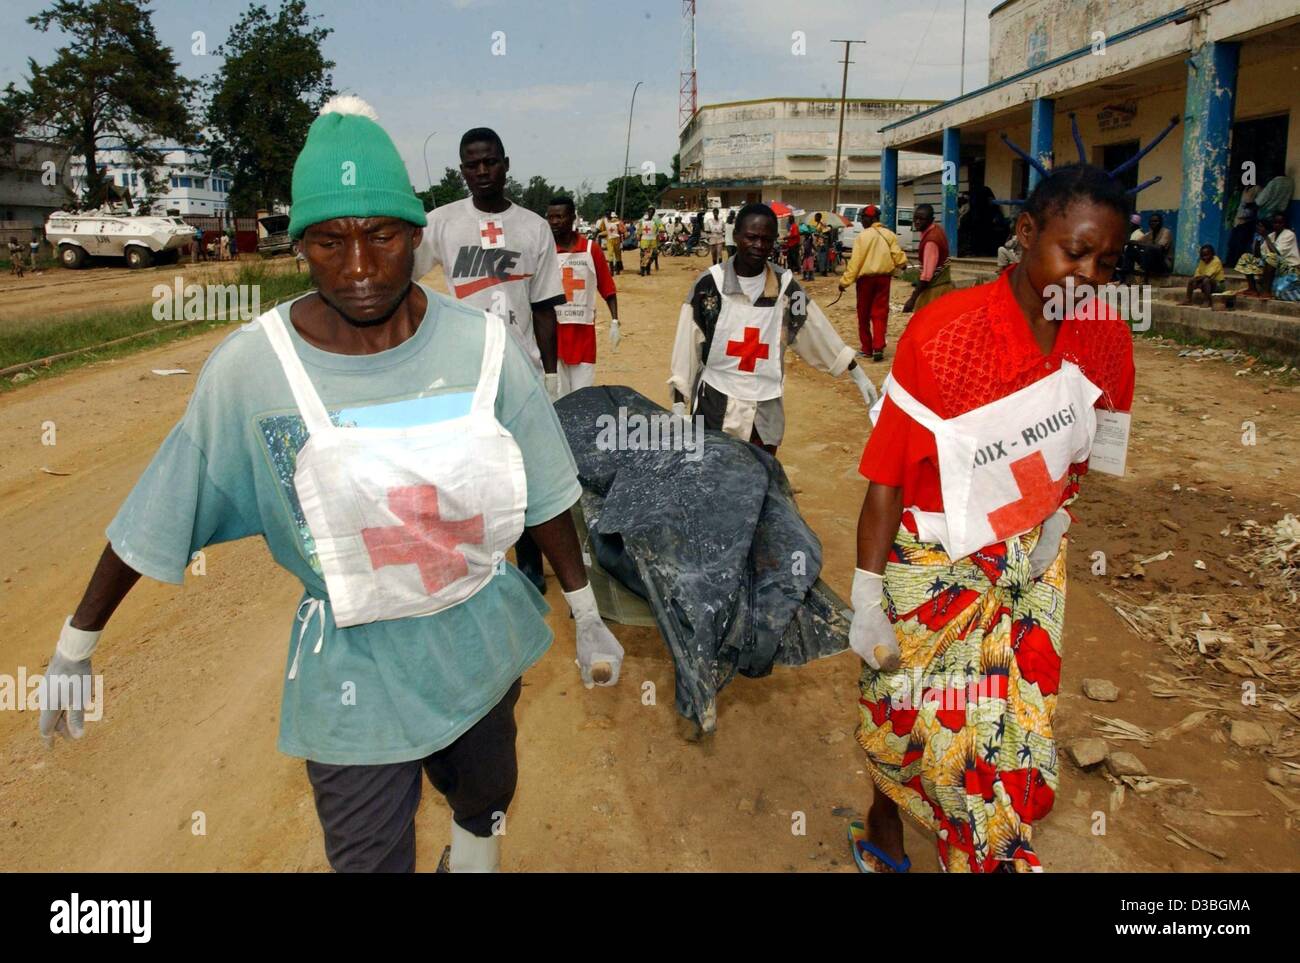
<point x="584" y="273"/>
<point x="729" y="354"/>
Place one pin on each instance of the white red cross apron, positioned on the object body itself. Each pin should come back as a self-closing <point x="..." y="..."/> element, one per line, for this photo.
<point x="1003" y="466"/>
<point x="578" y="275"/>
<point x="745" y="356"/>
<point x="407" y="521"/>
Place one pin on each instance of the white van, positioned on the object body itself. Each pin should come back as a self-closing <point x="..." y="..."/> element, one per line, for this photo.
<point x="907" y="238"/>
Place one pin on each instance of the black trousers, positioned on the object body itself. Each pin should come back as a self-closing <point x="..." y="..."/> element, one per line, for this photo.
<point x="368" y="812"/>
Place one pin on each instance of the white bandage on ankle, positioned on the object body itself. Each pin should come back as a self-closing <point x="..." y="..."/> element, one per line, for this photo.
<point x="473" y="854"/>
<point x="76" y="644"/>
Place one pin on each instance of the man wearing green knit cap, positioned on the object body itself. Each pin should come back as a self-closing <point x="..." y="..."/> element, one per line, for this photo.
<point x="389" y="444"/>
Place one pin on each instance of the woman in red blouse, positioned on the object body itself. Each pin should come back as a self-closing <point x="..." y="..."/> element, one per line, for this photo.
<point x="985" y="429"/>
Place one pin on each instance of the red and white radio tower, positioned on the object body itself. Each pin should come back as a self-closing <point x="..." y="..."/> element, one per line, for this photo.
<point x="686" y="101"/>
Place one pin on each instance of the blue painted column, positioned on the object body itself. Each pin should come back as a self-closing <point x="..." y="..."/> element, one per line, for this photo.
<point x="889" y="188"/>
<point x="1041" y="114"/>
<point x="1207" y="126"/>
<point x="950" y="178"/>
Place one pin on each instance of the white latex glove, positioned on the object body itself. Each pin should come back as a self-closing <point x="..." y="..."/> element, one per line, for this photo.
<point x="615" y="336"/>
<point x="600" y="657"/>
<point x="1049" y="543"/>
<point x="872" y="635"/>
<point x="68" y="675"/>
<point x="679" y="409"/>
<point x="869" y="392"/>
<point x="552" y="380"/>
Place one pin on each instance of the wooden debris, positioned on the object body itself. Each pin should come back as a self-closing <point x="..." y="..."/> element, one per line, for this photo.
<point x="1236" y="813"/>
<point x="1119" y="729"/>
<point x="1194" y="842"/>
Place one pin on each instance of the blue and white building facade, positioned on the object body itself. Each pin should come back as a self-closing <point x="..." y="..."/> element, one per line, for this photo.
<point x="184" y="183"/>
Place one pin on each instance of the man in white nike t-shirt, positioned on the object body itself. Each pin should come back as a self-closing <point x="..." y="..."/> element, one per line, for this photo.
<point x="500" y="257"/>
<point x="497" y="255"/>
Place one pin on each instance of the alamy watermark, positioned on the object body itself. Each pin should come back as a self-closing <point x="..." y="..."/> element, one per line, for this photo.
<point x="206" y="302"/>
<point x="632" y="431"/>
<point x="1089" y="302"/>
<point x="34" y="692"/>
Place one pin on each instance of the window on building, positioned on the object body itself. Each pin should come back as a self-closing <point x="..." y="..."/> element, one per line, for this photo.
<point x="175" y="181"/>
<point x="807" y="164"/>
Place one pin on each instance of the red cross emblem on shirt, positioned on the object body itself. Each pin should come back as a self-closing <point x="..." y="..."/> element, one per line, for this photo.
<point x="750" y="351"/>
<point x="571" y="283"/>
<point x="1040" y="495"/>
<point x="424" y="539"/>
<point x="491" y="232"/>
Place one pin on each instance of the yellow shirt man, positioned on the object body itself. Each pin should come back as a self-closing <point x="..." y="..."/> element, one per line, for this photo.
<point x="875" y="251"/>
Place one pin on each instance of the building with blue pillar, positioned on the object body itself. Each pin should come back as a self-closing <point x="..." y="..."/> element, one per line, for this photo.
<point x="1226" y="70"/>
<point x="1041" y="114"/>
<point x="1207" y="131"/>
<point x="949" y="176"/>
<point x="889" y="188"/>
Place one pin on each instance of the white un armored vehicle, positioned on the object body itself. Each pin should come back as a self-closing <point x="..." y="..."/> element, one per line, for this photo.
<point x="142" y="240"/>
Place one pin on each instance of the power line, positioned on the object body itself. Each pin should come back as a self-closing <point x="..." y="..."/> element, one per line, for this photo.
<point x="919" y="45"/>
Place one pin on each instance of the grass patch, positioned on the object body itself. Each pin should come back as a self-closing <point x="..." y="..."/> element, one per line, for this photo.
<point x="34" y="340"/>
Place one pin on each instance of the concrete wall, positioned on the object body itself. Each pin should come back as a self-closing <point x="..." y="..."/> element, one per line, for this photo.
<point x="1026" y="33"/>
<point x="790" y="141"/>
<point x="24" y="194"/>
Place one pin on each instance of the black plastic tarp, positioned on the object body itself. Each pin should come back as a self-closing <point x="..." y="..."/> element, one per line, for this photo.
<point x="705" y="528"/>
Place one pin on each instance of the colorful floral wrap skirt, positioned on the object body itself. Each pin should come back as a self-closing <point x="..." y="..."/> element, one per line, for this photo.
<point x="960" y="735"/>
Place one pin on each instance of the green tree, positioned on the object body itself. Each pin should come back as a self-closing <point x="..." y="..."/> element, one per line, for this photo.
<point x="593" y="206"/>
<point x="537" y="195"/>
<point x="450" y="188"/>
<point x="637" y="195"/>
<point x="260" y="103"/>
<point x="112" y="85"/>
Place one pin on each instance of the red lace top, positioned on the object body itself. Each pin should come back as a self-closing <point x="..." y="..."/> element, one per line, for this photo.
<point x="970" y="348"/>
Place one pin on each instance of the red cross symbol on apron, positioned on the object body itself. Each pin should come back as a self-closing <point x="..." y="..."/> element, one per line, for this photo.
<point x="490" y="232"/>
<point x="423" y="539"/>
<point x="1040" y="495"/>
<point x="571" y="283"/>
<point x="750" y="351"/>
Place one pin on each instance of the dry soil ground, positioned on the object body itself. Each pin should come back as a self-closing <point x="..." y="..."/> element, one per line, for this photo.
<point x="607" y="782"/>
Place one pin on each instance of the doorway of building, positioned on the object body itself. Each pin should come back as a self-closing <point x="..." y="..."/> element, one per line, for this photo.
<point x="1112" y="155"/>
<point x="1257" y="155"/>
<point x="1260" y="143"/>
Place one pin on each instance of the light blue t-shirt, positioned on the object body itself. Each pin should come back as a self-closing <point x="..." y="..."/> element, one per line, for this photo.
<point x="226" y="471"/>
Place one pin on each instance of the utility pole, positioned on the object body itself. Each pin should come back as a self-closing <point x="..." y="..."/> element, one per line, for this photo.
<point x="962" y="88"/>
<point x="839" y="140"/>
<point x="424" y="152"/>
<point x="627" y="150"/>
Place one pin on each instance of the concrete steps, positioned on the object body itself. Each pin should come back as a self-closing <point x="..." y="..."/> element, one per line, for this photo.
<point x="1267" y="327"/>
<point x="1258" y="326"/>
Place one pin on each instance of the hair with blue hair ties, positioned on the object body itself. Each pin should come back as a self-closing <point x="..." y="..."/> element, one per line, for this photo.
<point x="1059" y="186"/>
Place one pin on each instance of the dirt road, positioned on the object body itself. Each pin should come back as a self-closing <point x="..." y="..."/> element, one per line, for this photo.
<point x="607" y="782"/>
<point x="59" y="291"/>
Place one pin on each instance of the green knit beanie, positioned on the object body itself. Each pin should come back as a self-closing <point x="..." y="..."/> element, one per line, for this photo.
<point x="350" y="168"/>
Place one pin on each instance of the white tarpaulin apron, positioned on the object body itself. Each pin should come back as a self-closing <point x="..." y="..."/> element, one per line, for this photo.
<point x="578" y="275"/>
<point x="406" y="521"/>
<point x="745" y="355"/>
<point x="1003" y="466"/>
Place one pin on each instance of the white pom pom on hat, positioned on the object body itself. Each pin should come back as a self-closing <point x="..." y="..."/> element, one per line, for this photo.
<point x="349" y="104"/>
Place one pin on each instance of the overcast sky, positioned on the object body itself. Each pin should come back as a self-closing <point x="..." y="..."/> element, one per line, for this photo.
<point x="559" y="95"/>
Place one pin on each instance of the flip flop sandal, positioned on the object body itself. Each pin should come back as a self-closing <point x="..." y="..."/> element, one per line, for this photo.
<point x="864" y="851"/>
